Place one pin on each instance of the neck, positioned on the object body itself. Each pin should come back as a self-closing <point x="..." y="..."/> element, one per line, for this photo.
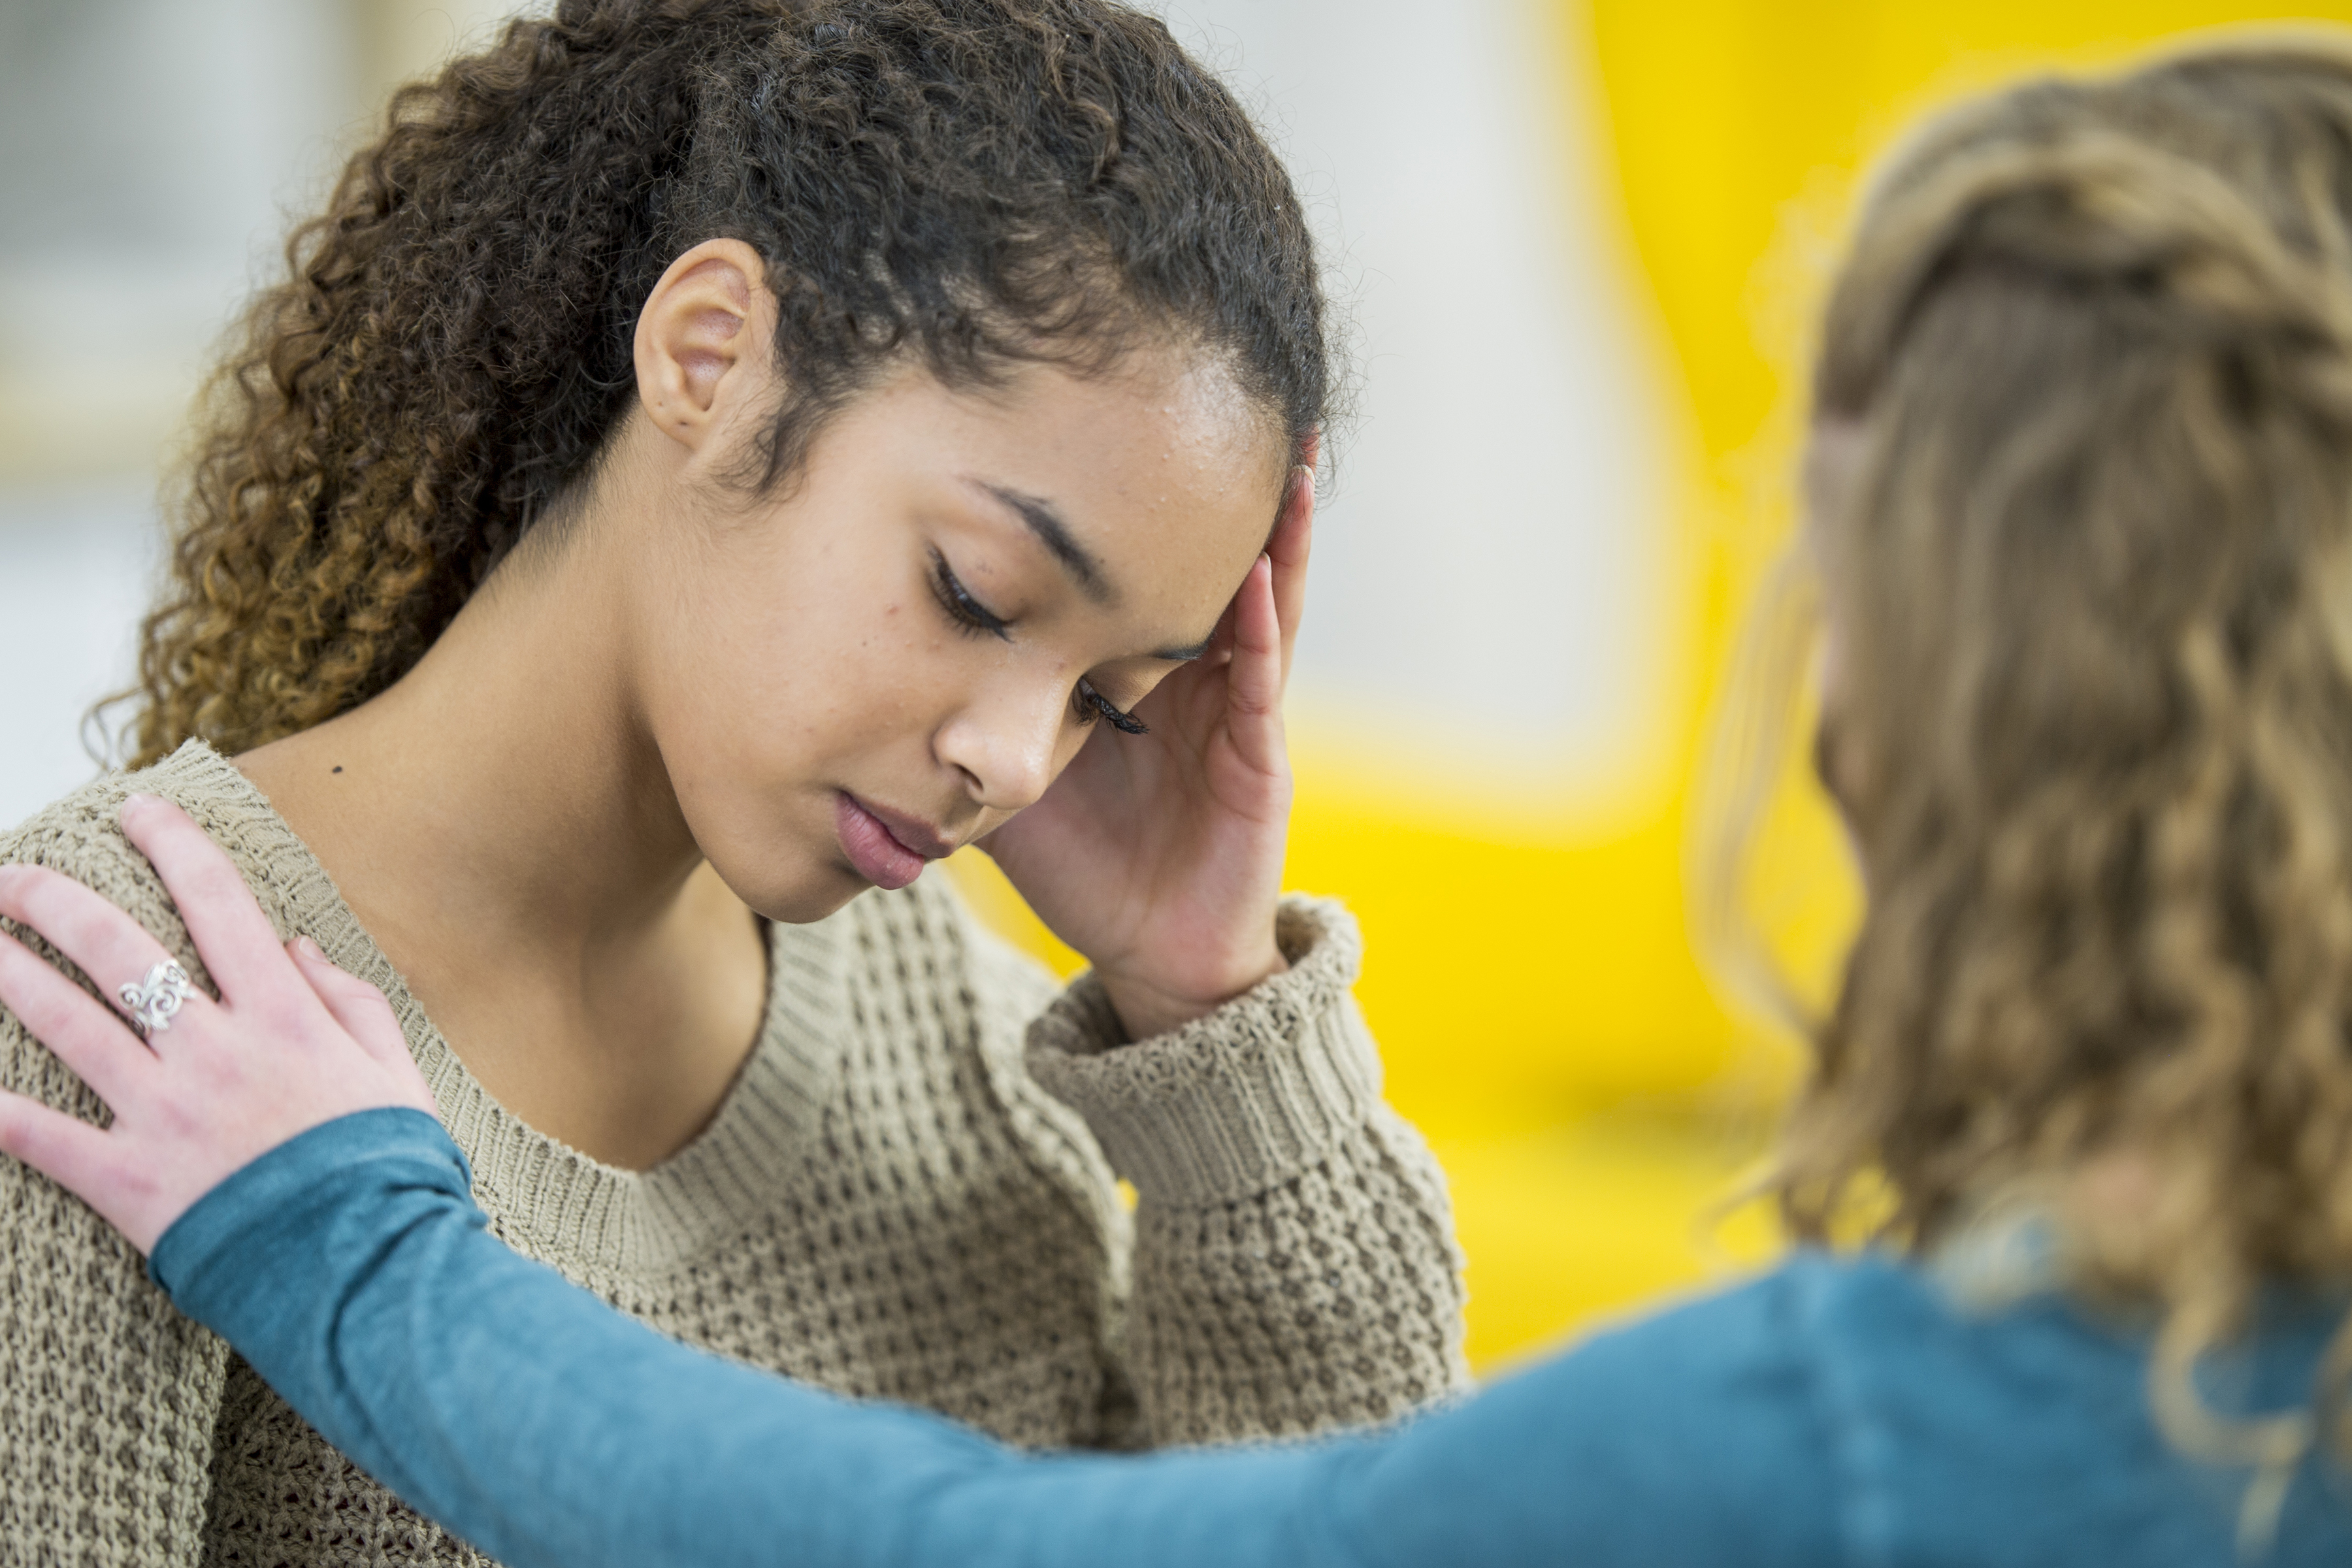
<point x="506" y="788"/>
<point x="502" y="822"/>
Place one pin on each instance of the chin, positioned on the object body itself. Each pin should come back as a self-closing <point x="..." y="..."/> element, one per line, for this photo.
<point x="811" y="908"/>
<point x="792" y="896"/>
<point x="783" y="864"/>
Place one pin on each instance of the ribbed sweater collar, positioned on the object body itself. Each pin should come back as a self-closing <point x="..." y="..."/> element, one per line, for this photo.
<point x="546" y="1198"/>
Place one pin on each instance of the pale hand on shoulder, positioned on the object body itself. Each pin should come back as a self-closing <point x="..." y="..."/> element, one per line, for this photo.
<point x="204" y="1085"/>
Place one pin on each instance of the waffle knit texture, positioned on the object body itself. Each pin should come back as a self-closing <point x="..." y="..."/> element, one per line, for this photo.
<point x="909" y="1193"/>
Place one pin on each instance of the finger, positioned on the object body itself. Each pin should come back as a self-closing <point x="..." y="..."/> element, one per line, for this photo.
<point x="1254" y="689"/>
<point x="1293" y="539"/>
<point x="234" y="938"/>
<point x="107" y="944"/>
<point x="65" y="1148"/>
<point x="357" y="1005"/>
<point x="1221" y="637"/>
<point x="96" y="1045"/>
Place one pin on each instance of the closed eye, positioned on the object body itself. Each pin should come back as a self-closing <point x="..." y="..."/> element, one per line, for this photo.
<point x="1094" y="705"/>
<point x="967" y="613"/>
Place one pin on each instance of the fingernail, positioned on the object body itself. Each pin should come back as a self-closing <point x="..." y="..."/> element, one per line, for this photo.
<point x="132" y="803"/>
<point x="309" y="948"/>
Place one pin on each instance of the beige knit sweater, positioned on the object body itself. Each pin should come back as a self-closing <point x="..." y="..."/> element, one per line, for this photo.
<point x="908" y="1193"/>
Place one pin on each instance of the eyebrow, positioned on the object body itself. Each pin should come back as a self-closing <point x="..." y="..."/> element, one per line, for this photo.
<point x="1076" y="559"/>
<point x="1055" y="536"/>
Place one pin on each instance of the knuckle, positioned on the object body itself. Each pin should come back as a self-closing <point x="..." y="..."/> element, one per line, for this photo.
<point x="42" y="1014"/>
<point x="35" y="1140"/>
<point x="211" y="874"/>
<point x="278" y="1017"/>
<point x="134" y="1182"/>
<point x="30" y="895"/>
<point x="184" y="1118"/>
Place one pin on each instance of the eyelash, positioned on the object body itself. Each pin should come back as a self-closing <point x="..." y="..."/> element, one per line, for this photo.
<point x="974" y="619"/>
<point x="969" y="614"/>
<point x="1094" y="705"/>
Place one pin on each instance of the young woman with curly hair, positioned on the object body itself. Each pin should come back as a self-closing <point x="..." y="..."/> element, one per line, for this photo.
<point x="709" y="459"/>
<point x="2081" y="525"/>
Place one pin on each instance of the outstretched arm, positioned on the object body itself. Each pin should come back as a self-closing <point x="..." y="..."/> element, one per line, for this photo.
<point x="353" y="1270"/>
<point x="274" y="1154"/>
<point x="273" y="1151"/>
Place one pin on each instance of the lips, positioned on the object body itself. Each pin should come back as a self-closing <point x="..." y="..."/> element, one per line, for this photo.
<point x="888" y="849"/>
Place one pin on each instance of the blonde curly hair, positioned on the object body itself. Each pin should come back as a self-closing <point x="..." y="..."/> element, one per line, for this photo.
<point x="2091" y="585"/>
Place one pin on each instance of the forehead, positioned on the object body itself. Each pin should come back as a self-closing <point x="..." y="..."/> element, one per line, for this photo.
<point x="1162" y="464"/>
<point x="1163" y="419"/>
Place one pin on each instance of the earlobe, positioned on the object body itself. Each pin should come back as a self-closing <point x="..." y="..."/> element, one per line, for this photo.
<point x="701" y="341"/>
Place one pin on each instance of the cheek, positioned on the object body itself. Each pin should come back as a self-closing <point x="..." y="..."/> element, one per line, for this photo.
<point x="773" y="697"/>
<point x="778" y="677"/>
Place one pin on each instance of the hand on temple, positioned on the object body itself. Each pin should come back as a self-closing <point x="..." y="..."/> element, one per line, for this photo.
<point x="1159" y="856"/>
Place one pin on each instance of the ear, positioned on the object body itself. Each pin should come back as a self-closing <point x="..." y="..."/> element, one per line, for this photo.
<point x="702" y="343"/>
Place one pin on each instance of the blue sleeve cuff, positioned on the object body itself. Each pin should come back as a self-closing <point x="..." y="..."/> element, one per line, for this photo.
<point x="212" y="1250"/>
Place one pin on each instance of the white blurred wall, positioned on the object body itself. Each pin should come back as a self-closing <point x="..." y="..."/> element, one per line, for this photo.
<point x="149" y="153"/>
<point x="145" y="149"/>
<point x="75" y="563"/>
<point x="1487" y="597"/>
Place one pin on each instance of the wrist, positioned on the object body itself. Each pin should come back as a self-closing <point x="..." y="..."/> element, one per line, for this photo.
<point x="1150" y="1004"/>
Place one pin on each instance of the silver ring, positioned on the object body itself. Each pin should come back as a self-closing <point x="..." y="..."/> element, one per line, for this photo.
<point x="154" y="1001"/>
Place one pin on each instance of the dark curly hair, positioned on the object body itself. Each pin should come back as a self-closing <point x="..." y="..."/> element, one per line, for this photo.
<point x="969" y="184"/>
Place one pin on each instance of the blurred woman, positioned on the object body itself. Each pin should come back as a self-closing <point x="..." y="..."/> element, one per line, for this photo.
<point x="2081" y="518"/>
<point x="708" y="461"/>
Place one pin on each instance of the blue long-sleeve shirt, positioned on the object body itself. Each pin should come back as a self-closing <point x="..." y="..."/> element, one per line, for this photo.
<point x="1830" y="1412"/>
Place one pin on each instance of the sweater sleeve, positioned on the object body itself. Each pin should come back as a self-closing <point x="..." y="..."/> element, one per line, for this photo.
<point x="108" y="1394"/>
<point x="1294" y="1267"/>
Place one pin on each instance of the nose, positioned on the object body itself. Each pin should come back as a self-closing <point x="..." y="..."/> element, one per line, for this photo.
<point x="1003" y="743"/>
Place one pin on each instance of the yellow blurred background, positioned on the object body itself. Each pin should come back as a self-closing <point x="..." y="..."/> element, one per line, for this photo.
<point x="1645" y="225"/>
<point x="1531" y="974"/>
